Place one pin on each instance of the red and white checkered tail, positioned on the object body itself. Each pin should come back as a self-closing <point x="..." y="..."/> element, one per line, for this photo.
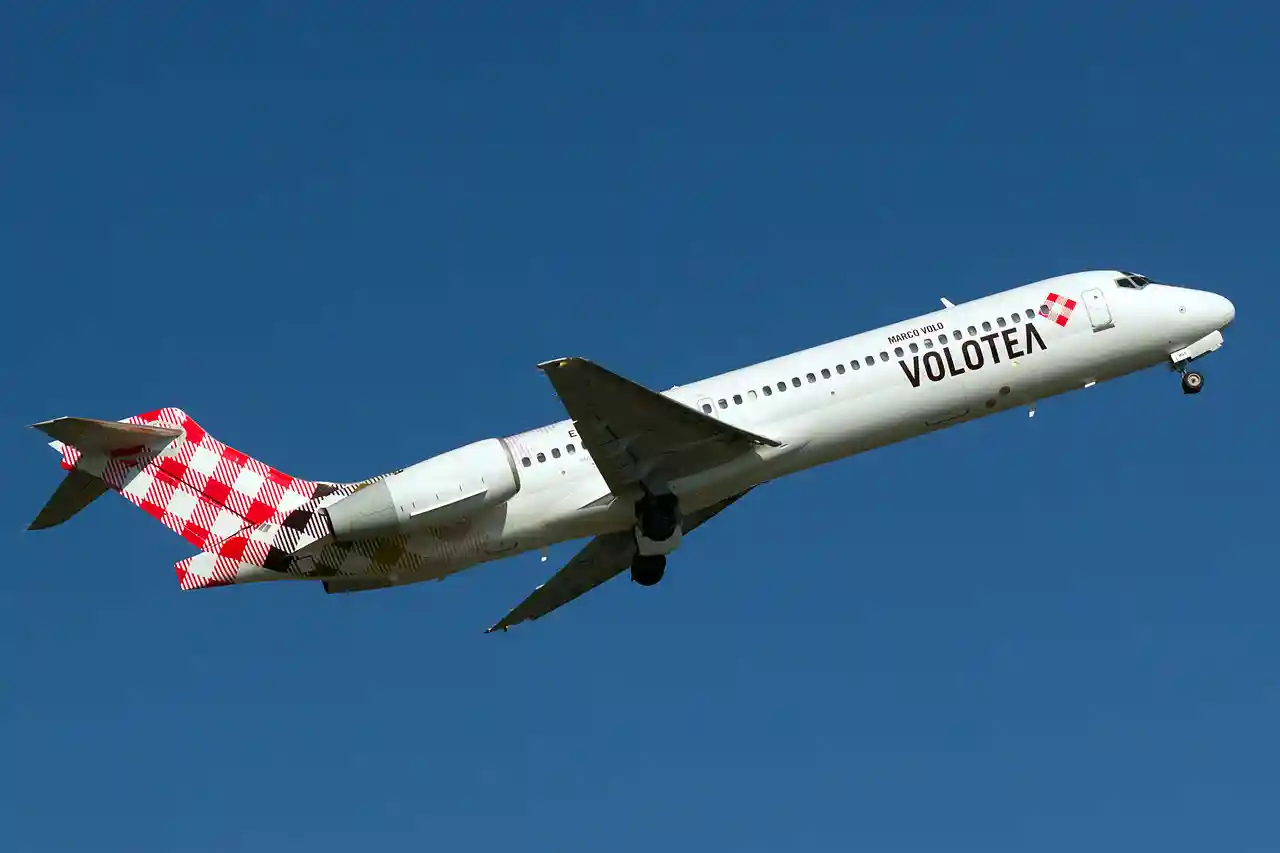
<point x="166" y="464"/>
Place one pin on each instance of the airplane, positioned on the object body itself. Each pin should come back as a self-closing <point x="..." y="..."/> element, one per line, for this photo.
<point x="633" y="469"/>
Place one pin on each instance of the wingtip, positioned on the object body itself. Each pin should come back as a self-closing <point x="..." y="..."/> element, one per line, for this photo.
<point x="560" y="362"/>
<point x="44" y="426"/>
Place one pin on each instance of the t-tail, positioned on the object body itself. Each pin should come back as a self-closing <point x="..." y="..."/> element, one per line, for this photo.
<point x="247" y="518"/>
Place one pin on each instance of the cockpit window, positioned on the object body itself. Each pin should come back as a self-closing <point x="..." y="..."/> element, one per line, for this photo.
<point x="1133" y="280"/>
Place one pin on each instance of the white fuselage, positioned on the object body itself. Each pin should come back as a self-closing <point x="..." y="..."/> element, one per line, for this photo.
<point x="926" y="373"/>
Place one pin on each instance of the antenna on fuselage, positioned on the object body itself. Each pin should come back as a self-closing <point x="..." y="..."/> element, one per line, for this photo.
<point x="946" y="303"/>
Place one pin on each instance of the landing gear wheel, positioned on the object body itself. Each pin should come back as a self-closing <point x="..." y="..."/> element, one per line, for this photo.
<point x="1192" y="383"/>
<point x="647" y="570"/>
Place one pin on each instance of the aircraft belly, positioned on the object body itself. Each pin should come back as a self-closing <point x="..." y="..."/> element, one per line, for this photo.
<point x="945" y="402"/>
<point x="1070" y="362"/>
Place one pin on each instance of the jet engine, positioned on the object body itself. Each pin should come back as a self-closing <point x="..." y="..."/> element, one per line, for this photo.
<point x="435" y="492"/>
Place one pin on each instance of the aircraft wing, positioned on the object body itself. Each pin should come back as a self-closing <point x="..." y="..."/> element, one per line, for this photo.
<point x="633" y="433"/>
<point x="602" y="559"/>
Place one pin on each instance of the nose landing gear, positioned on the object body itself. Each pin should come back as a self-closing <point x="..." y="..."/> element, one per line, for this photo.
<point x="1181" y="360"/>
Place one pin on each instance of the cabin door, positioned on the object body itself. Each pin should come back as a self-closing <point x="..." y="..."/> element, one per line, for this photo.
<point x="1099" y="312"/>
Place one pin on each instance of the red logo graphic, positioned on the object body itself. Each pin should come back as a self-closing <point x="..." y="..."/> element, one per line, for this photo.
<point x="1057" y="308"/>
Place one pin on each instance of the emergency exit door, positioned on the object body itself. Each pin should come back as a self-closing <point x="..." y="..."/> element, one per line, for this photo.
<point x="1095" y="302"/>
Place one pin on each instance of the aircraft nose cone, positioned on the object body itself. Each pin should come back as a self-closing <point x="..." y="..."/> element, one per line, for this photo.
<point x="1208" y="310"/>
<point x="1225" y="310"/>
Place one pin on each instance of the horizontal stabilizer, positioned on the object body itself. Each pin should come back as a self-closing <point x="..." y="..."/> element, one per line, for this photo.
<point x="89" y="436"/>
<point x="76" y="492"/>
<point x="97" y="440"/>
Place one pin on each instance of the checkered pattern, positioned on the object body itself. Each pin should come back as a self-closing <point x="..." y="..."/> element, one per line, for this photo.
<point x="272" y="552"/>
<point x="1057" y="308"/>
<point x="373" y="559"/>
<point x="238" y="510"/>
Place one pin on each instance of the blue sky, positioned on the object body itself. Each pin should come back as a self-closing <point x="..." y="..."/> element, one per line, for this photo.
<point x="342" y="235"/>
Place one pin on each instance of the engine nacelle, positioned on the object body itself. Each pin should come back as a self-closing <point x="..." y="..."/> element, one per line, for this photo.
<point x="432" y="493"/>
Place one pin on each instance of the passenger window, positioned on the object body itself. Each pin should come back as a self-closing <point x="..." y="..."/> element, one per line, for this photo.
<point x="840" y="369"/>
<point x="795" y="380"/>
<point x="526" y="462"/>
<point x="812" y="379"/>
<point x="782" y="386"/>
<point x="752" y="393"/>
<point x="928" y="343"/>
<point x="542" y="457"/>
<point x="723" y="403"/>
<point x="768" y="391"/>
<point x="737" y="399"/>
<point x="871" y="361"/>
<point x="942" y="338"/>
<point x="884" y="356"/>
<point x="897" y="351"/>
<point x="826" y="374"/>
<point x="555" y="452"/>
<point x="1000" y="322"/>
<point x="1014" y="319"/>
<point x="706" y="407"/>
<point x="972" y="331"/>
<point x="986" y="327"/>
<point x="1031" y="315"/>
<point x="856" y="365"/>
<point x="570" y="449"/>
<point x="915" y="347"/>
